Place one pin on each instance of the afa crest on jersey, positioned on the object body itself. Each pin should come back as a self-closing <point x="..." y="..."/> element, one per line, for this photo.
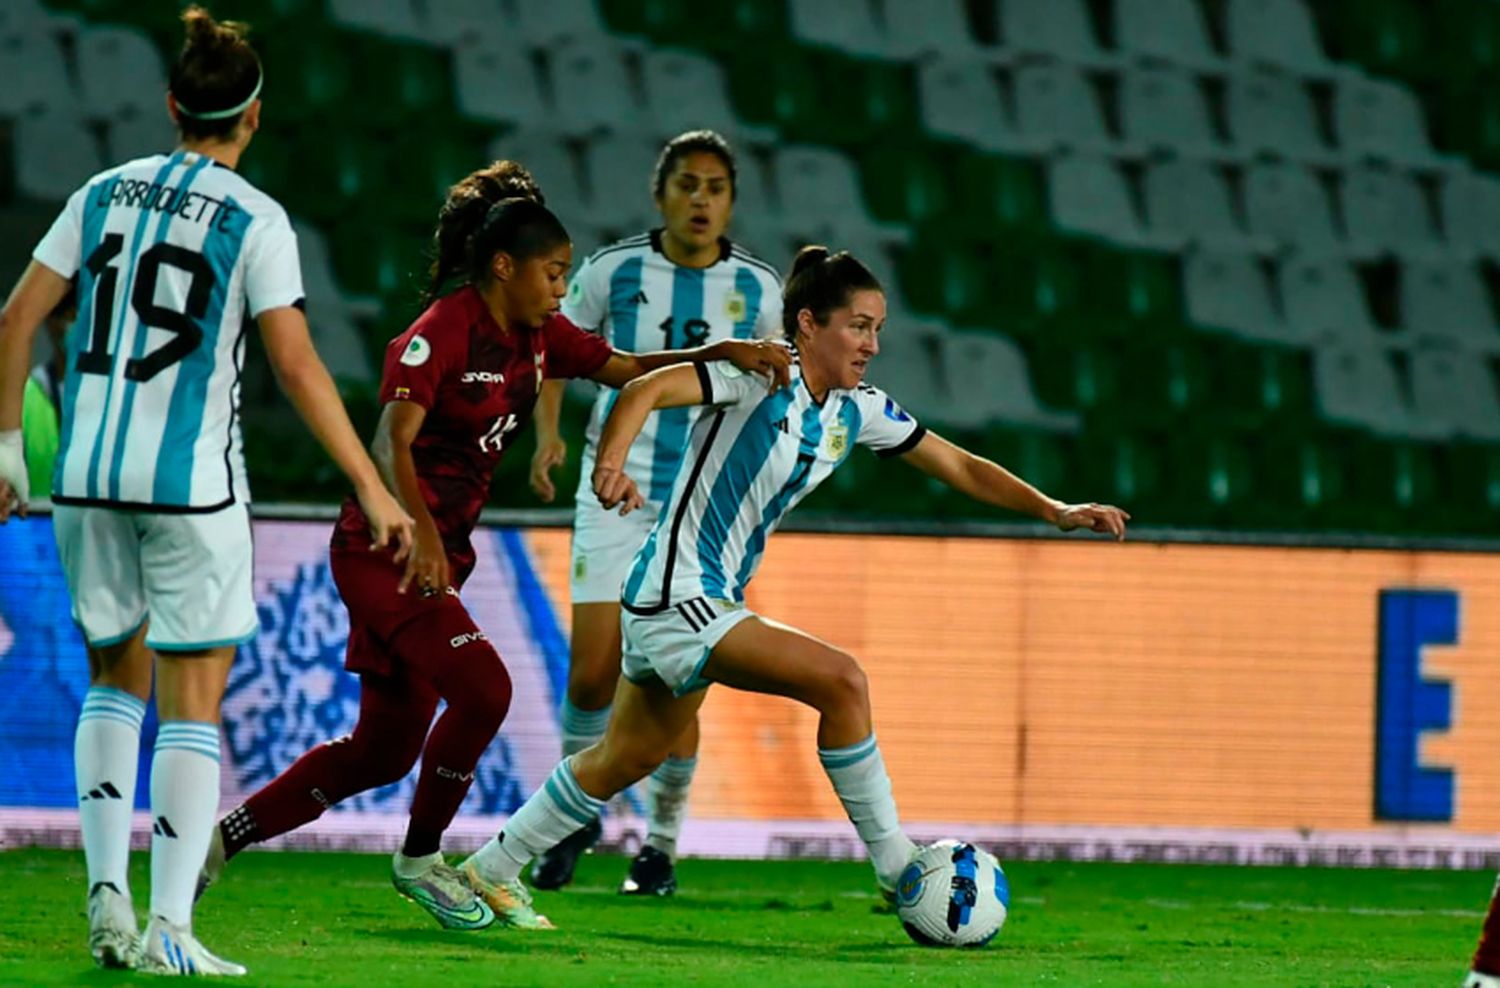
<point x="735" y="306"/>
<point x="836" y="441"/>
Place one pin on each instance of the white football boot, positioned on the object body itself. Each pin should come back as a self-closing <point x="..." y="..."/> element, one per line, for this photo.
<point x="1478" y="980"/>
<point x="170" y="949"/>
<point x="113" y="934"/>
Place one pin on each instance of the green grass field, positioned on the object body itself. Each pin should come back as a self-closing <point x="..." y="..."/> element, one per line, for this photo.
<point x="332" y="919"/>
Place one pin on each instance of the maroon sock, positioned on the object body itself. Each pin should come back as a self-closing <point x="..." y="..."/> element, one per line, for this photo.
<point x="477" y="688"/>
<point x="1487" y="957"/>
<point x="393" y="718"/>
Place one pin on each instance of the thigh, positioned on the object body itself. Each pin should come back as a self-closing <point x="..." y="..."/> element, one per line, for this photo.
<point x="764" y="656"/>
<point x="198" y="571"/>
<point x="395" y="710"/>
<point x="100" y="552"/>
<point x="604" y="548"/>
<point x="444" y="648"/>
<point x="596" y="647"/>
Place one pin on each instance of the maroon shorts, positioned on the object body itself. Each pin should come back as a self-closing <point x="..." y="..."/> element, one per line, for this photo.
<point x="378" y="613"/>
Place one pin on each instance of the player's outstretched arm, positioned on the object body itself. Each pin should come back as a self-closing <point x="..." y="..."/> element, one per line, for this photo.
<point x="310" y="388"/>
<point x="551" y="448"/>
<point x="765" y="357"/>
<point x="669" y="387"/>
<point x="987" y="481"/>
<point x="37" y="293"/>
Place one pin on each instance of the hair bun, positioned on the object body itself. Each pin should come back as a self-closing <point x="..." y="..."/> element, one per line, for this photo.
<point x="807" y="257"/>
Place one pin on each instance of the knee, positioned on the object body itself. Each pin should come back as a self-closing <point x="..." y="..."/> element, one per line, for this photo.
<point x="846" y="687"/>
<point x="592" y="679"/>
<point x="619" y="766"/>
<point x="383" y="759"/>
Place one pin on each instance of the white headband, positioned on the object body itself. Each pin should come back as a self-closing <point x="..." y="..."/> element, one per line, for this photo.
<point x="224" y="114"/>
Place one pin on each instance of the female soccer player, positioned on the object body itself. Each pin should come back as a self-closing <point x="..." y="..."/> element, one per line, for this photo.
<point x="151" y="516"/>
<point x="752" y="458"/>
<point x="689" y="283"/>
<point x="457" y="386"/>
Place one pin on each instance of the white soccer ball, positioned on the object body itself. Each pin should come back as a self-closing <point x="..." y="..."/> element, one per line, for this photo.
<point x="953" y="894"/>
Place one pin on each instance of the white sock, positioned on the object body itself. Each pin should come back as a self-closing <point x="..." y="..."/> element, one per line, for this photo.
<point x="666" y="803"/>
<point x="553" y="812"/>
<point x="184" y="799"/>
<point x="581" y="728"/>
<point x="415" y="867"/>
<point x="859" y="777"/>
<point x="106" y="750"/>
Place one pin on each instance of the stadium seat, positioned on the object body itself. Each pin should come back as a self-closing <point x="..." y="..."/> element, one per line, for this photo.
<point x="333" y="177"/>
<point x="1451" y="387"/>
<point x="552" y="164"/>
<point x="1230" y="291"/>
<point x="778" y="87"/>
<point x="393" y="18"/>
<point x="138" y="134"/>
<point x="986" y="380"/>
<point x="1391" y="37"/>
<point x="960" y="98"/>
<point x="1213" y="480"/>
<point x="1260" y="386"/>
<point x="1191" y="201"/>
<point x="1055" y="105"/>
<point x="1325" y="303"/>
<point x="1467" y="38"/>
<point x="314" y="73"/>
<point x="850" y="26"/>
<point x="684" y="91"/>
<point x="1385" y="212"/>
<point x="36" y="77"/>
<point x="1470" y="475"/>
<point x="1171" y="31"/>
<point x="1285" y="202"/>
<point x="1281" y="33"/>
<point x="819" y="187"/>
<point x="1272" y="114"/>
<point x="933" y="28"/>
<point x="1360" y="386"/>
<point x="379" y="261"/>
<point x="1088" y="194"/>
<point x="1447" y="302"/>
<point x="908" y="367"/>
<point x="1068" y="374"/>
<point x="1042" y="289"/>
<point x="619" y="168"/>
<point x="997" y="195"/>
<point x="1393" y="482"/>
<point x="592" y="89"/>
<point x="26" y="19"/>
<point x="912" y="182"/>
<point x="1131" y="293"/>
<point x="1382" y="120"/>
<point x="941" y="280"/>
<point x="1055" y="29"/>
<point x="54" y="154"/>
<point x="1048" y="460"/>
<point x="425" y="164"/>
<point x="267" y="163"/>
<point x="497" y="81"/>
<point x="460" y="23"/>
<point x="1162" y="108"/>
<point x="318" y="278"/>
<point x="399" y="85"/>
<point x="548" y="23"/>
<point x="1469" y="205"/>
<point x="120" y="72"/>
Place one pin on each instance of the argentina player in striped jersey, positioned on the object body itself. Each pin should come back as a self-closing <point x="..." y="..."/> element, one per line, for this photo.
<point x="751" y="458"/>
<point x="151" y="507"/>
<point x="681" y="285"/>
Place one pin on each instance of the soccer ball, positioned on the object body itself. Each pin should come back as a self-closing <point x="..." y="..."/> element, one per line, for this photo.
<point x="952" y="894"/>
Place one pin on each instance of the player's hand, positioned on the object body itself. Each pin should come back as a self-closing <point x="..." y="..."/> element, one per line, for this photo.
<point x="1102" y="518"/>
<point x="427" y="566"/>
<point x="15" y="485"/>
<point x="549" y="454"/>
<point x="612" y="486"/>
<point x="771" y="360"/>
<point x="390" y="525"/>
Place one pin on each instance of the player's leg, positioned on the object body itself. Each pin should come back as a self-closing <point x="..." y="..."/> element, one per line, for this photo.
<point x="647" y="719"/>
<point x="767" y="657"/>
<point x="197" y="574"/>
<point x="592" y="671"/>
<point x="1485" y="970"/>
<point x="101" y="561"/>
<point x="653" y="871"/>
<point x="448" y="651"/>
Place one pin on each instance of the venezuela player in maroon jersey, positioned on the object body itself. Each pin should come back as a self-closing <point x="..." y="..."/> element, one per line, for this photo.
<point x="457" y="387"/>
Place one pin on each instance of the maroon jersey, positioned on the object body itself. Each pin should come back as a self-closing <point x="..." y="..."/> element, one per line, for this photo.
<point x="479" y="385"/>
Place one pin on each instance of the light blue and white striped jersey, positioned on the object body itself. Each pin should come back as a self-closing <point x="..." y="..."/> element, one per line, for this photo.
<point x="169" y="251"/>
<point x="639" y="300"/>
<point x="751" y="458"/>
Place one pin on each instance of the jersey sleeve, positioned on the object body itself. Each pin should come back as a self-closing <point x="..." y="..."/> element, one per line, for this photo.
<point x="768" y="320"/>
<point x="885" y="426"/>
<point x="571" y="352"/>
<point x="62" y="247"/>
<point x="725" y="384"/>
<point x="587" y="302"/>
<point x="273" y="270"/>
<point x="414" y="367"/>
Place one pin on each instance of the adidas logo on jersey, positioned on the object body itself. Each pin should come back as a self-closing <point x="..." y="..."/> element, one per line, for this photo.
<point x="783" y="425"/>
<point x="482" y="377"/>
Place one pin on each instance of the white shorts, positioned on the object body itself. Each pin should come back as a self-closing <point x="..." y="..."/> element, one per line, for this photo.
<point x="189" y="574"/>
<point x="604" y="547"/>
<point x="674" y="645"/>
